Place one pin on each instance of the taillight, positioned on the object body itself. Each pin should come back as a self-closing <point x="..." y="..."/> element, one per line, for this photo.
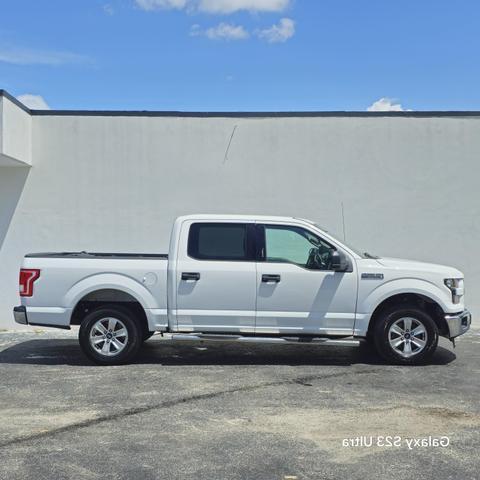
<point x="27" y="278"/>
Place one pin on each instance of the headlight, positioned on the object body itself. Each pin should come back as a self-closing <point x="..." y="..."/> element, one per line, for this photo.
<point x="455" y="285"/>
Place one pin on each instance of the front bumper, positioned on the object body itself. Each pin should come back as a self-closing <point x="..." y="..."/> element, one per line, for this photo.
<point x="458" y="323"/>
<point x="20" y="315"/>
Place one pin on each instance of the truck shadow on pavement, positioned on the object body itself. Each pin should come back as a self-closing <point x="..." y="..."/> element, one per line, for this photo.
<point x="67" y="352"/>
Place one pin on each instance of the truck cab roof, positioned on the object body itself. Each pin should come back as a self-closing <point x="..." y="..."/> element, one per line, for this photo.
<point x="242" y="218"/>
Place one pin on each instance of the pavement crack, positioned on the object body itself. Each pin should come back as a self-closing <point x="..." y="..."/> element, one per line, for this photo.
<point x="129" y="412"/>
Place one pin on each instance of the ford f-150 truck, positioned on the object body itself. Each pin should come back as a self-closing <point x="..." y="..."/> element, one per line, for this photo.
<point x="245" y="279"/>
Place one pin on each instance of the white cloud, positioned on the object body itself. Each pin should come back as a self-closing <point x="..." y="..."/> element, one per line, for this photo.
<point x="35" y="102"/>
<point x="161" y="4"/>
<point x="281" y="32"/>
<point x="25" y="56"/>
<point x="223" y="7"/>
<point x="223" y="31"/>
<point x="231" y="6"/>
<point x="385" y="105"/>
<point x="108" y="9"/>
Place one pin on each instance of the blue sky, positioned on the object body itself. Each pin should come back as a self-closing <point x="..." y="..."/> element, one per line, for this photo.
<point x="242" y="54"/>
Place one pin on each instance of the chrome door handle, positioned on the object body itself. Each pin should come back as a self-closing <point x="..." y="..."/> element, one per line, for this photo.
<point x="191" y="276"/>
<point x="270" y="278"/>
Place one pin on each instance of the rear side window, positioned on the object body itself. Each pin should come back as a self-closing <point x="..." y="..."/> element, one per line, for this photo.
<point x="220" y="241"/>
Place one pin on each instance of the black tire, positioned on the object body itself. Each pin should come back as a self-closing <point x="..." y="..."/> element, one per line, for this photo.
<point x="132" y="342"/>
<point x="382" y="336"/>
<point x="147" y="334"/>
<point x="368" y="345"/>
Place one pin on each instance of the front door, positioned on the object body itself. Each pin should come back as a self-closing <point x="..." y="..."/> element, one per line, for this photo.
<point x="216" y="278"/>
<point x="297" y="292"/>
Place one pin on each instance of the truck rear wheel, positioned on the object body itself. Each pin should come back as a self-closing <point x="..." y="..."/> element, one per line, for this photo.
<point x="110" y="335"/>
<point x="406" y="335"/>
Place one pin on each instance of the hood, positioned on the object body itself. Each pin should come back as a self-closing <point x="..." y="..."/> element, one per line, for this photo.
<point x="416" y="266"/>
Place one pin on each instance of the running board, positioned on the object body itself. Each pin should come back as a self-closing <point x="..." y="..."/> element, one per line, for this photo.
<point x="198" y="337"/>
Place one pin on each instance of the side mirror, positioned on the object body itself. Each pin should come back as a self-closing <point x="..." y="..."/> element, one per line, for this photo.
<point x="338" y="261"/>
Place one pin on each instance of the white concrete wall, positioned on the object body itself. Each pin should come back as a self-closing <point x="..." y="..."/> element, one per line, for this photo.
<point x="2" y="100"/>
<point x="408" y="185"/>
<point x="15" y="134"/>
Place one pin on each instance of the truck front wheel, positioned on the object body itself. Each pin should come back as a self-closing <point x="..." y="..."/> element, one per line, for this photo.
<point x="406" y="335"/>
<point x="110" y="336"/>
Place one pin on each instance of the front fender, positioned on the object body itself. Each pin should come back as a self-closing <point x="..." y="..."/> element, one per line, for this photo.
<point x="369" y="300"/>
<point x="404" y="285"/>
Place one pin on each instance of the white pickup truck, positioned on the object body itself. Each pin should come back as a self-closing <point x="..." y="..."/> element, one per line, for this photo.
<point x="245" y="279"/>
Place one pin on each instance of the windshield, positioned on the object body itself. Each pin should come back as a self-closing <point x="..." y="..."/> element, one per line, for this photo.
<point x="356" y="250"/>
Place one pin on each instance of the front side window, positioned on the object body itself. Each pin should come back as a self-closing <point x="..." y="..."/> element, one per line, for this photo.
<point x="289" y="244"/>
<point x="219" y="241"/>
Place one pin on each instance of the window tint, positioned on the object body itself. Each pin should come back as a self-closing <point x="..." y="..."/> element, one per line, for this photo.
<point x="219" y="241"/>
<point x="296" y="245"/>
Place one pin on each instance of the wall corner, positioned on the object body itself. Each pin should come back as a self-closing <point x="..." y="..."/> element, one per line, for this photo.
<point x="15" y="132"/>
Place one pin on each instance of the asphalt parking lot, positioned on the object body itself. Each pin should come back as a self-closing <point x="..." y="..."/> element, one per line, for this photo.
<point x="225" y="411"/>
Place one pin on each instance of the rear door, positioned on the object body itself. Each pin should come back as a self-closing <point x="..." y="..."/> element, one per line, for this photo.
<point x="298" y="292"/>
<point x="216" y="277"/>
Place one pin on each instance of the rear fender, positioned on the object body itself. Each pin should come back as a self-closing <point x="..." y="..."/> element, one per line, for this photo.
<point x="155" y="314"/>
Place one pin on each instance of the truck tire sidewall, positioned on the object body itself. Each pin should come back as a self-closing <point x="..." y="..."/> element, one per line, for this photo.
<point x="382" y="328"/>
<point x="135" y="335"/>
<point x="147" y="334"/>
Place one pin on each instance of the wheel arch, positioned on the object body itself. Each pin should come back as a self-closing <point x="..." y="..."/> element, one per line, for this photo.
<point x="420" y="300"/>
<point x="108" y="298"/>
<point x="109" y="281"/>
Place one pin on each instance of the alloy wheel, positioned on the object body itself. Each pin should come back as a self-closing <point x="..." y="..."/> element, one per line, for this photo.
<point x="407" y="336"/>
<point x="108" y="336"/>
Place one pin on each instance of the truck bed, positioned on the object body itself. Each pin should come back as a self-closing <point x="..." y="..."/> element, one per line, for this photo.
<point x="68" y="278"/>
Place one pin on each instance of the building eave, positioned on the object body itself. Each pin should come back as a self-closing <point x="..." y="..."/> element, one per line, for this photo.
<point x="254" y="114"/>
